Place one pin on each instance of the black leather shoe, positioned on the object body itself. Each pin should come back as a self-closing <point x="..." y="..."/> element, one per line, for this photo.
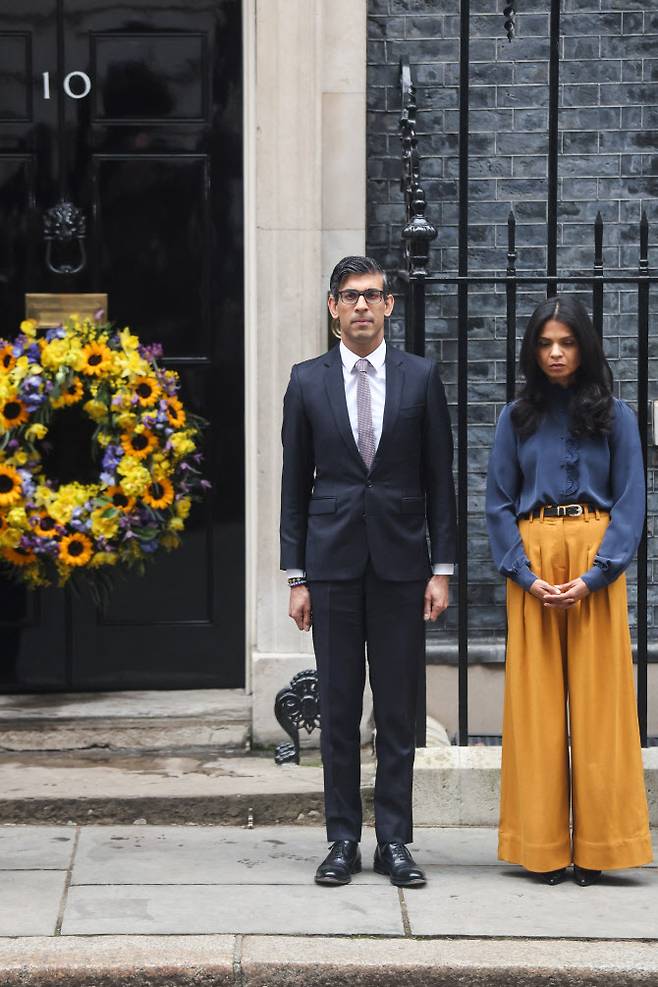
<point x="343" y="860"/>
<point x="394" y="860"/>
<point x="584" y="878"/>
<point x="552" y="877"/>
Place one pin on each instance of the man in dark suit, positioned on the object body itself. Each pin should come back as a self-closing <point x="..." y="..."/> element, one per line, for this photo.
<point x="367" y="473"/>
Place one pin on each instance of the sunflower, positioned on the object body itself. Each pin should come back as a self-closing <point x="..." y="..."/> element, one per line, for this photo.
<point x="75" y="549"/>
<point x="10" y="486"/>
<point x="19" y="556"/>
<point x="139" y="444"/>
<point x="147" y="391"/>
<point x="13" y="412"/>
<point x="45" y="526"/>
<point x="3" y="524"/>
<point x="159" y="493"/>
<point x="71" y="394"/>
<point x="96" y="359"/>
<point x="175" y="412"/>
<point x="7" y="359"/>
<point x="120" y="499"/>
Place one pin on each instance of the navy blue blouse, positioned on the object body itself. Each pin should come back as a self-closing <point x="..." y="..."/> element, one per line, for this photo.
<point x="553" y="467"/>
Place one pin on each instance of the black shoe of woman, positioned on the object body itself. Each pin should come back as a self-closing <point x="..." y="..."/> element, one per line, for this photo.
<point x="584" y="878"/>
<point x="551" y="877"/>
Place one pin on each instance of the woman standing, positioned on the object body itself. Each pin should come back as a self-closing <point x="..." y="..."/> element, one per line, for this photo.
<point x="565" y="512"/>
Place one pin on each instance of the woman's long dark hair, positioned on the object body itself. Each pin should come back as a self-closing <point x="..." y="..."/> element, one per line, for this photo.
<point x="591" y="406"/>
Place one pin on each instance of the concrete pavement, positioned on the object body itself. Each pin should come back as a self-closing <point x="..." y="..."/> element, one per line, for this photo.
<point x="204" y="905"/>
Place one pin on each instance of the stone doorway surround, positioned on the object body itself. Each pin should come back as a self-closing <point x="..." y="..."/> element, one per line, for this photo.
<point x="305" y="207"/>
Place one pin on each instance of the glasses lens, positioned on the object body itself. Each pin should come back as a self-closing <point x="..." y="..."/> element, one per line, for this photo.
<point x="373" y="295"/>
<point x="349" y="297"/>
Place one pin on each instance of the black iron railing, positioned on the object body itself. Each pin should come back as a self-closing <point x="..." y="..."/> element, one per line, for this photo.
<point x="418" y="234"/>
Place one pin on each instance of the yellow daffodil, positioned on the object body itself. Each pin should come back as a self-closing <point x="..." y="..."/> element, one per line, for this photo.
<point x="29" y="327"/>
<point x="35" y="432"/>
<point x="96" y="410"/>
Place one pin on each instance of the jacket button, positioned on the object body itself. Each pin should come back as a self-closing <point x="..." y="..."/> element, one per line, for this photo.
<point x="370" y="483"/>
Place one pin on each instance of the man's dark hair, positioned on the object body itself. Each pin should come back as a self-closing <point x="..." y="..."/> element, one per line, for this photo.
<point x="591" y="404"/>
<point x="354" y="265"/>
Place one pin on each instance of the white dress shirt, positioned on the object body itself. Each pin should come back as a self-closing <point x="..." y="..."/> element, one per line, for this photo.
<point x="377" y="381"/>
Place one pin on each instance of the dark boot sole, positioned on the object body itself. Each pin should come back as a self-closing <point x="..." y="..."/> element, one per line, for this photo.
<point x="417" y="882"/>
<point x="333" y="882"/>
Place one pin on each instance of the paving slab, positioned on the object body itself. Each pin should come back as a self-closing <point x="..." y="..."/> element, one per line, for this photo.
<point x="506" y="901"/>
<point x="30" y="901"/>
<point x="36" y="847"/>
<point x="205" y="855"/>
<point x="198" y="909"/>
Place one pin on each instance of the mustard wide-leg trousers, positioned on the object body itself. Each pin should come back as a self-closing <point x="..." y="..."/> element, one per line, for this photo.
<point x="583" y="656"/>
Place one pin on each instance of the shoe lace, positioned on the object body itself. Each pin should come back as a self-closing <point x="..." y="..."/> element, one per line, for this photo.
<point x="341" y="848"/>
<point x="399" y="852"/>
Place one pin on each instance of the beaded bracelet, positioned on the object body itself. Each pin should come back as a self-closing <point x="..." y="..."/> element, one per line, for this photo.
<point x="296" y="581"/>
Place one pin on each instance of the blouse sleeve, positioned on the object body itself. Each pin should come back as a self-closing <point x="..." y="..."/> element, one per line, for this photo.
<point x="503" y="487"/>
<point x="622" y="536"/>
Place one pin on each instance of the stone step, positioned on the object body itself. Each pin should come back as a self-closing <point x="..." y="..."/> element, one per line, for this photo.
<point x="293" y="961"/>
<point x="137" y="720"/>
<point x="194" y="786"/>
<point x="460" y="786"/>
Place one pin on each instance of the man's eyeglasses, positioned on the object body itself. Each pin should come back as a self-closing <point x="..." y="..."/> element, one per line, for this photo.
<point x="372" y="296"/>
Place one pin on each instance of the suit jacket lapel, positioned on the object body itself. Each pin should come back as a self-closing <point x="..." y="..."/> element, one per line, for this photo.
<point x="335" y="386"/>
<point x="394" y="382"/>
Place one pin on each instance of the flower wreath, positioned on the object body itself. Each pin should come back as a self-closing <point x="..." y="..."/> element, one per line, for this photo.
<point x="144" y="447"/>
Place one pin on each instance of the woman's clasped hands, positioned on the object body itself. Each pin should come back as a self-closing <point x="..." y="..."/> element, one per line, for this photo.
<point x="560" y="596"/>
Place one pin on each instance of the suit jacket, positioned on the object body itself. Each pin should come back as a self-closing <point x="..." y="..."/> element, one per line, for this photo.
<point x="335" y="514"/>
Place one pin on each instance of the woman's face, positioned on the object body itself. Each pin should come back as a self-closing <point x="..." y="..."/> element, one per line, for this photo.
<point x="558" y="352"/>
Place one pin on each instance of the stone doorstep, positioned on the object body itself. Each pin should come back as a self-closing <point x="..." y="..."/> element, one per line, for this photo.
<point x="460" y="786"/>
<point x="315" y="961"/>
<point x="130" y="720"/>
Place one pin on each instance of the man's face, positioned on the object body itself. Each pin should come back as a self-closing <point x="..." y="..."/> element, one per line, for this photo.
<point x="361" y="322"/>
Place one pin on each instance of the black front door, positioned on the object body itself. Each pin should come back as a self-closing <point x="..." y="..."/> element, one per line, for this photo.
<point x="134" y="114"/>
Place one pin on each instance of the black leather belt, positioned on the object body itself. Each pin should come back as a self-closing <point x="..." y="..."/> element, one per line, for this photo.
<point x="560" y="510"/>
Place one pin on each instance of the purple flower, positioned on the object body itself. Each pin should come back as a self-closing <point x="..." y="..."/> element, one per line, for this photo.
<point x="58" y="333"/>
<point x="111" y="458"/>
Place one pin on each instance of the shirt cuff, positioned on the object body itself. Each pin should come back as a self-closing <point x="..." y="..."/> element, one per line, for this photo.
<point x="295" y="574"/>
<point x="525" y="577"/>
<point x="443" y="569"/>
<point x="595" y="578"/>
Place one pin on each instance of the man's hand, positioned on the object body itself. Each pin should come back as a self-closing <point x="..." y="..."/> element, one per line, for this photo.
<point x="300" y="607"/>
<point x="436" y="597"/>
<point x="562" y="595"/>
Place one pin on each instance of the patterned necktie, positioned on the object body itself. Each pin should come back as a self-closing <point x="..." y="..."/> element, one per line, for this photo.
<point x="364" y="413"/>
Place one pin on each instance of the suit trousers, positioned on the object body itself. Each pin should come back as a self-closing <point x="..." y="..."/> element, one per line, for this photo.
<point x="386" y="618"/>
<point x="577" y="660"/>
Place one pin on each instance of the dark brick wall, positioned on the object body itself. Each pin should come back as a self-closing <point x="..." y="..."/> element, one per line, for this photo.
<point x="608" y="162"/>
